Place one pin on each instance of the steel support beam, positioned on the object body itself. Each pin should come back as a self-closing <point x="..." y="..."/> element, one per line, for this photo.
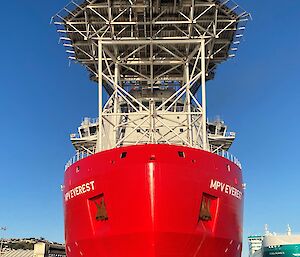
<point x="203" y="91"/>
<point x="177" y="50"/>
<point x="100" y="97"/>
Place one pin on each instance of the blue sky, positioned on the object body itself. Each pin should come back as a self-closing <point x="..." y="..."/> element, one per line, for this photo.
<point x="43" y="100"/>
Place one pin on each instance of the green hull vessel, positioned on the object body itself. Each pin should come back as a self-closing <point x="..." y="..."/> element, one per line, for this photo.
<point x="272" y="244"/>
<point x="292" y="250"/>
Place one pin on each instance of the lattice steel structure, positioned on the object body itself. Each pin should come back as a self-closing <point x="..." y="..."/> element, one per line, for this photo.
<point x="151" y="57"/>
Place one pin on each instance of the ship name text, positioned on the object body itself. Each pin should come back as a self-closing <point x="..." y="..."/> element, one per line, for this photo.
<point x="79" y="190"/>
<point x="227" y="189"/>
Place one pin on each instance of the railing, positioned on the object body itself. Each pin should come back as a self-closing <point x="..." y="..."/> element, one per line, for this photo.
<point x="129" y="109"/>
<point x="228" y="156"/>
<point x="78" y="156"/>
<point x="88" y="120"/>
<point x="85" y="153"/>
<point x="230" y="134"/>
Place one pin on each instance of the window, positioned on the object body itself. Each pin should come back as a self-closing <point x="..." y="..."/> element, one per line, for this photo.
<point x="123" y="155"/>
<point x="181" y="154"/>
<point x="83" y="133"/>
<point x="93" y="130"/>
<point x="212" y="129"/>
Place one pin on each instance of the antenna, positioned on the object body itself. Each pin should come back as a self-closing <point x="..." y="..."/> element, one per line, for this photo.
<point x="267" y="232"/>
<point x="289" y="230"/>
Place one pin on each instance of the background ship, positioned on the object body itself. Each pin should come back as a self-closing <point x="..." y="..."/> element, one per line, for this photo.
<point x="272" y="244"/>
<point x="151" y="176"/>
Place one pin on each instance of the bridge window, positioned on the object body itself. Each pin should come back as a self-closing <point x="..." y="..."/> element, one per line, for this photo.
<point x="212" y="129"/>
<point x="93" y="130"/>
<point x="84" y="132"/>
<point x="222" y="130"/>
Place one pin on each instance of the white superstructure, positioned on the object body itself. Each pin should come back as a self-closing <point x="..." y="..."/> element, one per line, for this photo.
<point x="273" y="240"/>
<point x="257" y="244"/>
<point x="171" y="118"/>
<point x="151" y="58"/>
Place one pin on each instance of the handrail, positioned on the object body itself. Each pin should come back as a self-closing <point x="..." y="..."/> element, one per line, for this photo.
<point x="78" y="156"/>
<point x="228" y="156"/>
<point x="84" y="153"/>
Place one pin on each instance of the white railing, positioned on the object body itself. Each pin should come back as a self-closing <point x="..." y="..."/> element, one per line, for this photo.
<point x="82" y="154"/>
<point x="78" y="156"/>
<point x="228" y="156"/>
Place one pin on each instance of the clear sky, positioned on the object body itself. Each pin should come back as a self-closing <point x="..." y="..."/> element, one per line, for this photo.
<point x="43" y="100"/>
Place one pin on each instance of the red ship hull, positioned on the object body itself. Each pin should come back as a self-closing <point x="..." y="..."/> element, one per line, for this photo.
<point x="150" y="203"/>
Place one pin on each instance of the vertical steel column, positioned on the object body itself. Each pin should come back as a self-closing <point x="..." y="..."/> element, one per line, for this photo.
<point x="152" y="120"/>
<point x="116" y="103"/>
<point x="152" y="107"/>
<point x="188" y="102"/>
<point x="100" y="90"/>
<point x="203" y="91"/>
<point x="151" y="66"/>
